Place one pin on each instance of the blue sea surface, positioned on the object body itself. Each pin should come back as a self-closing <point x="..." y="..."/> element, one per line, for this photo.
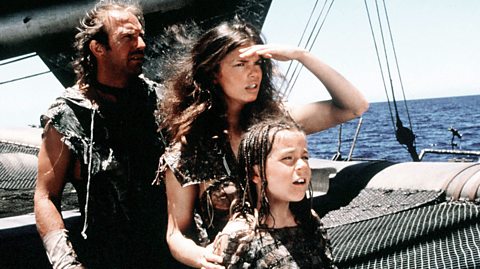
<point x="430" y="119"/>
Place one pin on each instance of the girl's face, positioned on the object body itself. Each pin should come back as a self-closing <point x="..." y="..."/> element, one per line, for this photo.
<point x="287" y="170"/>
<point x="239" y="78"/>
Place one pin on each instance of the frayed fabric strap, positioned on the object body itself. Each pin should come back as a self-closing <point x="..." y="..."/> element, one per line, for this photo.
<point x="60" y="252"/>
<point x="90" y="156"/>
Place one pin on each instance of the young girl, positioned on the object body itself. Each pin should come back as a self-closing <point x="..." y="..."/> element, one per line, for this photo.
<point x="273" y="225"/>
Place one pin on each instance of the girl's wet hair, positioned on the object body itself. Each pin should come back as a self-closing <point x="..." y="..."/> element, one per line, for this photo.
<point x="254" y="149"/>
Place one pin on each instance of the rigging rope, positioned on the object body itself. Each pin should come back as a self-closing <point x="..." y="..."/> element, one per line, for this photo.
<point x="296" y="70"/>
<point x="311" y="46"/>
<point x="405" y="136"/>
<point x="300" y="41"/>
<point x="396" y="63"/>
<point x="296" y="73"/>
<point x="338" y="155"/>
<point x="380" y="64"/>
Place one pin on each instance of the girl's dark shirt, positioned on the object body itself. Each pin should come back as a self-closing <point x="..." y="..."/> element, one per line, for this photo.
<point x="282" y="248"/>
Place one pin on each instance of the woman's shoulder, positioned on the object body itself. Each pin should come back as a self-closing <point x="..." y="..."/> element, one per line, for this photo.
<point x="177" y="158"/>
<point x="198" y="160"/>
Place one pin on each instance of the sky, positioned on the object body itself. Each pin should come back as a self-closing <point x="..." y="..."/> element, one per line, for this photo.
<point x="23" y="101"/>
<point x="436" y="43"/>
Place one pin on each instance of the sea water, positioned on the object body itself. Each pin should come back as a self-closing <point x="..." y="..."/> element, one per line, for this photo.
<point x="430" y="122"/>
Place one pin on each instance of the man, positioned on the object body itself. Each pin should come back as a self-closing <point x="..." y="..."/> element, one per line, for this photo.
<point x="101" y="136"/>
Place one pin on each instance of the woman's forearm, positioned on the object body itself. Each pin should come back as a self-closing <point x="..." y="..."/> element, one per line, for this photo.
<point x="185" y="250"/>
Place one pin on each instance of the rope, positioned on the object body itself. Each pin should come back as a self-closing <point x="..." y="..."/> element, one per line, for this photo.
<point x="321" y="26"/>
<point x="338" y="154"/>
<point x="296" y="71"/>
<point x="90" y="156"/>
<point x="301" y="39"/>
<point x="396" y="63"/>
<point x="380" y="64"/>
<point x="313" y="42"/>
<point x="386" y="59"/>
<point x="404" y="135"/>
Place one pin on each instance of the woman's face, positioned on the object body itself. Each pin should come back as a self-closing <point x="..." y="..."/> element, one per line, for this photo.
<point x="239" y="78"/>
<point x="287" y="170"/>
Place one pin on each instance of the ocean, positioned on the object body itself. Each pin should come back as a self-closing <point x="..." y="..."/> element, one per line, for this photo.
<point x="430" y="119"/>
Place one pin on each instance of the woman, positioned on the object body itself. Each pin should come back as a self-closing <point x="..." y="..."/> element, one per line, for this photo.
<point x="284" y="232"/>
<point x="222" y="87"/>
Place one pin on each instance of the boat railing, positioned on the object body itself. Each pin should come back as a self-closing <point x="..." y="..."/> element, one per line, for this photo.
<point x="450" y="151"/>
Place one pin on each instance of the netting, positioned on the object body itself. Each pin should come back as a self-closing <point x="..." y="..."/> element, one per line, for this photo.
<point x="435" y="234"/>
<point x="18" y="165"/>
<point x="373" y="203"/>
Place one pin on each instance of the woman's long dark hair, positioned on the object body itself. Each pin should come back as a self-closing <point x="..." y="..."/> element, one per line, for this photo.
<point x="193" y="103"/>
<point x="254" y="149"/>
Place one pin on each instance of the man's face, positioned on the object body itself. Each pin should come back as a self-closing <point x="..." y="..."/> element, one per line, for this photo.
<point x="126" y="53"/>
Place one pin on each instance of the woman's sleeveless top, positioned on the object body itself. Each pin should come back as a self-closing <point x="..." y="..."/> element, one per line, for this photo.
<point x="209" y="162"/>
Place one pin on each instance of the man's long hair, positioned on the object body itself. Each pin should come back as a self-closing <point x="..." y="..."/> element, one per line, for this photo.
<point x="93" y="27"/>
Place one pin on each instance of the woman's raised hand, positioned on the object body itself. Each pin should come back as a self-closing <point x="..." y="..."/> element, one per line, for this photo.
<point x="274" y="51"/>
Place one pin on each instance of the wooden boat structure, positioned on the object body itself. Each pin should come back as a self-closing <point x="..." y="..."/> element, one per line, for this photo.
<point x="379" y="214"/>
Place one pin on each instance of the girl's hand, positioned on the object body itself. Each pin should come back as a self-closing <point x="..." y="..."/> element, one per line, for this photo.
<point x="277" y="52"/>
